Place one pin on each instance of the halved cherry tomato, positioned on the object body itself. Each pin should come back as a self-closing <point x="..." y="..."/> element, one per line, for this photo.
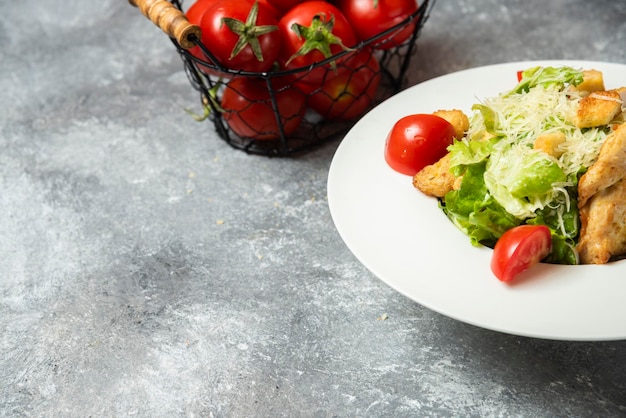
<point x="248" y="109"/>
<point x="416" y="141"/>
<point x="520" y="248"/>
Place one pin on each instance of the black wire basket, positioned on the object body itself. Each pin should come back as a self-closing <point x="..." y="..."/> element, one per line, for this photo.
<point x="290" y="131"/>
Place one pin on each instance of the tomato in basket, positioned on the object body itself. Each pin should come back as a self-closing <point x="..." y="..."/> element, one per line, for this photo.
<point x="247" y="107"/>
<point x="197" y="9"/>
<point x="277" y="12"/>
<point x="194" y="16"/>
<point x="349" y="94"/>
<point x="313" y="31"/>
<point x="372" y="17"/>
<point x="241" y="35"/>
<point x="283" y="5"/>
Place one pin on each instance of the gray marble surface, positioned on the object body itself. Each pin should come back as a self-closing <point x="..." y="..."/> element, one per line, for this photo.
<point x="148" y="269"/>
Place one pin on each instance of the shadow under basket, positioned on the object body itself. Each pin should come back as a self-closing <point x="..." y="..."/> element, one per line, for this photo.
<point x="289" y="131"/>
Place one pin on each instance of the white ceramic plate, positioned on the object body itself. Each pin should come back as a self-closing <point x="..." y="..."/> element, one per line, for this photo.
<point x="402" y="237"/>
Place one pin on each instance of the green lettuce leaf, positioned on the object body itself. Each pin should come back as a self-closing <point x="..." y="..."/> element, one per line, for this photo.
<point x="534" y="175"/>
<point x="490" y="118"/>
<point x="564" y="233"/>
<point x="464" y="153"/>
<point x="472" y="209"/>
<point x="546" y="77"/>
<point x="519" y="177"/>
<point x="505" y="182"/>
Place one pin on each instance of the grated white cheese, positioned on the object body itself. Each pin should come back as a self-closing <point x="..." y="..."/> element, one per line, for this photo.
<point x="520" y="119"/>
<point x="523" y="117"/>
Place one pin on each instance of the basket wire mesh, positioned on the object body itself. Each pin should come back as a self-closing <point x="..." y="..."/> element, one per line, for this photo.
<point x="210" y="79"/>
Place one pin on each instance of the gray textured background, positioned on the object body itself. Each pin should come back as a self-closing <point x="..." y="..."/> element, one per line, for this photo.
<point x="148" y="269"/>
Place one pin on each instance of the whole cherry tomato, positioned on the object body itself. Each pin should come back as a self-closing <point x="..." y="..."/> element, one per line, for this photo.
<point x="197" y="9"/>
<point x="284" y="5"/>
<point x="349" y="94"/>
<point x="194" y="16"/>
<point x="241" y="35"/>
<point x="416" y="141"/>
<point x="520" y="248"/>
<point x="313" y="31"/>
<point x="248" y="108"/>
<point x="372" y="17"/>
<point x="278" y="13"/>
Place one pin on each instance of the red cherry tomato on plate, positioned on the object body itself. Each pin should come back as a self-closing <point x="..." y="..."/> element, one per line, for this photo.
<point x="518" y="249"/>
<point x="416" y="141"/>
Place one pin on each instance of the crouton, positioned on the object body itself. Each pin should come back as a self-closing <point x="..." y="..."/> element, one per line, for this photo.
<point x="457" y="119"/>
<point x="593" y="80"/>
<point x="436" y="179"/>
<point x="599" y="108"/>
<point x="550" y="142"/>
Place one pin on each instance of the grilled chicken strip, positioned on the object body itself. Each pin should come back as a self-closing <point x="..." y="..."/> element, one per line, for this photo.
<point x="608" y="169"/>
<point x="602" y="202"/>
<point x="603" y="225"/>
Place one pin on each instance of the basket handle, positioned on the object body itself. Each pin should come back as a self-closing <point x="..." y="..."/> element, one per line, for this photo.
<point x="171" y="20"/>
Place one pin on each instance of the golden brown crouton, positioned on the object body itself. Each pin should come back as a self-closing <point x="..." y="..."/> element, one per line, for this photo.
<point x="622" y="94"/>
<point x="549" y="143"/>
<point x="435" y="179"/>
<point x="592" y="81"/>
<point x="457" y="119"/>
<point x="599" y="108"/>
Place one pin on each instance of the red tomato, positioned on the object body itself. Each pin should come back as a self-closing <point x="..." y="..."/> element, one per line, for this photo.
<point x="416" y="141"/>
<point x="284" y="5"/>
<point x="241" y="35"/>
<point x="248" y="108"/>
<point x="313" y="31"/>
<point x="372" y="17"/>
<point x="278" y="13"/>
<point x="196" y="10"/>
<point x="349" y="94"/>
<point x="194" y="16"/>
<point x="520" y="75"/>
<point x="518" y="249"/>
